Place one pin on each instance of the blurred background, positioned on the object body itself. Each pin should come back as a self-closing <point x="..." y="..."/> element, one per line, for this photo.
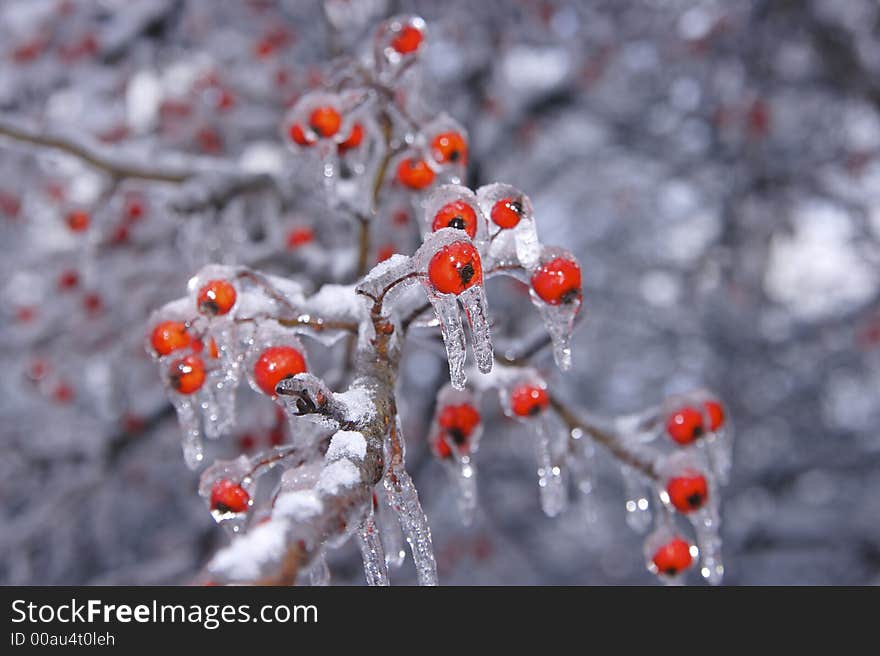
<point x="714" y="165"/>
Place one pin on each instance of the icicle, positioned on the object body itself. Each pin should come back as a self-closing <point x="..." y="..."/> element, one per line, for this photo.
<point x="550" y="482"/>
<point x="719" y="447"/>
<point x="319" y="573"/>
<point x="446" y="308"/>
<point x="475" y="305"/>
<point x="638" y="509"/>
<point x="403" y="497"/>
<point x="559" y="323"/>
<point x="390" y="534"/>
<point x="580" y="464"/>
<point x="405" y="501"/>
<point x="370" y="543"/>
<point x="463" y="475"/>
<point x="706" y="525"/>
<point x="193" y="448"/>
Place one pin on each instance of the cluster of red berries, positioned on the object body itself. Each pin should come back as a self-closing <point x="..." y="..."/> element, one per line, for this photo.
<point x="325" y="122"/>
<point x="446" y="148"/>
<point x="689" y="423"/>
<point x="457" y="424"/>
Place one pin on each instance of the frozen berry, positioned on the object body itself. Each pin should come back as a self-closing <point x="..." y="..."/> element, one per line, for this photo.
<point x="354" y="139"/>
<point x="78" y="220"/>
<point x="457" y="214"/>
<point x="68" y="280"/>
<point x="187" y="374"/>
<point x="715" y="413"/>
<point x="227" y="497"/>
<point x="450" y="147"/>
<point x="455" y="267"/>
<point x="558" y="282"/>
<point x="415" y="174"/>
<point x="685" y="425"/>
<point x="169" y="336"/>
<point x="325" y="121"/>
<point x="673" y="557"/>
<point x="385" y="252"/>
<point x="216" y="297"/>
<point x="458" y="423"/>
<point x="528" y="400"/>
<point x="407" y="40"/>
<point x="507" y="212"/>
<point x="299" y="237"/>
<point x="275" y="364"/>
<point x="687" y="492"/>
<point x="298" y="135"/>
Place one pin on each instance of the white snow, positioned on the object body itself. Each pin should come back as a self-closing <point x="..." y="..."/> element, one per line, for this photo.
<point x="300" y="505"/>
<point x="347" y="444"/>
<point x="245" y="557"/>
<point x="342" y="473"/>
<point x="359" y="404"/>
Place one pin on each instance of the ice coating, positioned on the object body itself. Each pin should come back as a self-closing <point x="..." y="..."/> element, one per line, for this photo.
<point x="519" y="243"/>
<point x="452" y="193"/>
<point x="246" y="557"/>
<point x="551" y="484"/>
<point x="638" y="508"/>
<point x="319" y="572"/>
<point x="372" y="552"/>
<point x="662" y="535"/>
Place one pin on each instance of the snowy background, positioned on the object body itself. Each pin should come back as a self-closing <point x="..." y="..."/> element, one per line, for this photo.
<point x="715" y="166"/>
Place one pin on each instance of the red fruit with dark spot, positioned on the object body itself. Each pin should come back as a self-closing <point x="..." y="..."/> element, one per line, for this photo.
<point x="715" y="412"/>
<point x="229" y="497"/>
<point x="455" y="267"/>
<point x="415" y="174"/>
<point x="507" y="212"/>
<point x="458" y="423"/>
<point x="688" y="492"/>
<point x="558" y="282"/>
<point x="325" y="121"/>
<point x="169" y="336"/>
<point x="78" y="220"/>
<point x="298" y="135"/>
<point x="299" y="237"/>
<point x="456" y="214"/>
<point x="450" y="147"/>
<point x="673" y="557"/>
<point x="216" y="297"/>
<point x="685" y="425"/>
<point x="354" y="139"/>
<point x="275" y="364"/>
<point x="187" y="374"/>
<point x="407" y="40"/>
<point x="529" y="400"/>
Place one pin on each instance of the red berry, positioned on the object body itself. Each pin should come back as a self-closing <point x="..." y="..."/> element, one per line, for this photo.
<point x="275" y="364"/>
<point x="455" y="267"/>
<point x="354" y="139"/>
<point x="688" y="492"/>
<point x="673" y="557"/>
<point x="407" y="40"/>
<point x="385" y="252"/>
<point x="209" y="140"/>
<point x="456" y="214"/>
<point x="187" y="374"/>
<point x="228" y="497"/>
<point x="78" y="220"/>
<point x="458" y="423"/>
<point x="169" y="336"/>
<point x="558" y="282"/>
<point x="325" y="121"/>
<point x="685" y="425"/>
<point x="298" y="135"/>
<point x="715" y="411"/>
<point x="450" y="147"/>
<point x="216" y="297"/>
<point x="63" y="393"/>
<point x="415" y="174"/>
<point x="298" y="237"/>
<point x="68" y="280"/>
<point x="134" y="209"/>
<point x="507" y="212"/>
<point x="25" y="314"/>
<point x="529" y="400"/>
<point x="93" y="303"/>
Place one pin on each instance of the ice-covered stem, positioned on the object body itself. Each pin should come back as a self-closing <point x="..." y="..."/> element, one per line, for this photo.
<point x="220" y="190"/>
<point x="612" y="442"/>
